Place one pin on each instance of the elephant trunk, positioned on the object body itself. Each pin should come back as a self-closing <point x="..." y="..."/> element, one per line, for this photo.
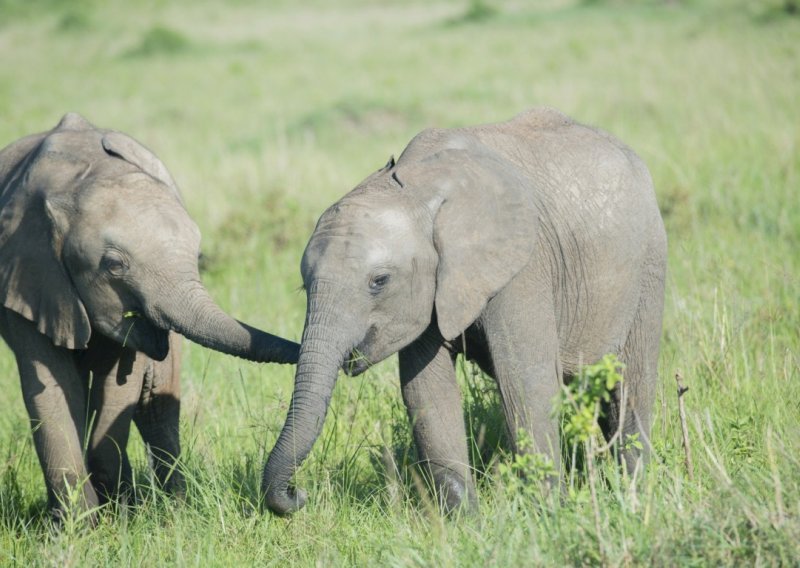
<point x="199" y="319"/>
<point x="324" y="349"/>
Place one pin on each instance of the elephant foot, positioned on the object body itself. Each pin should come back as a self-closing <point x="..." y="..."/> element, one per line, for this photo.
<point x="112" y="485"/>
<point x="454" y="494"/>
<point x="60" y="518"/>
<point x="62" y="512"/>
<point x="170" y="480"/>
<point x="174" y="485"/>
<point x="117" y="493"/>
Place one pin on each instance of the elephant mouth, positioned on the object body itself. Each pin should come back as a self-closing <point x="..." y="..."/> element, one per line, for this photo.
<point x="360" y="358"/>
<point x="140" y="334"/>
<point x="158" y="349"/>
<point x="355" y="364"/>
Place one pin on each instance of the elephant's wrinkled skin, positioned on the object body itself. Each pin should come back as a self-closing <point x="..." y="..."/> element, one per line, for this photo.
<point x="534" y="246"/>
<point x="98" y="272"/>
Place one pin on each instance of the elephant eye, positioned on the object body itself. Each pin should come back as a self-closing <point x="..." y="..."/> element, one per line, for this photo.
<point x="378" y="281"/>
<point x="114" y="264"/>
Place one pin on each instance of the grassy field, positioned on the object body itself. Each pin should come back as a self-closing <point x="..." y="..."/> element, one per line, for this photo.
<point x="266" y="112"/>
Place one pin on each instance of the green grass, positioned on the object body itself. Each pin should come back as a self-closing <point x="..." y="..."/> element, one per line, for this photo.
<point x="266" y="114"/>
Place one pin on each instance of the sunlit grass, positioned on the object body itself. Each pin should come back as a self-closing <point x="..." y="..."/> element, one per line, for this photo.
<point x="267" y="114"/>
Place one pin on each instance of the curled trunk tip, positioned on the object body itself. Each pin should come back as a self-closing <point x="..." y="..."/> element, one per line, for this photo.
<point x="316" y="375"/>
<point x="285" y="501"/>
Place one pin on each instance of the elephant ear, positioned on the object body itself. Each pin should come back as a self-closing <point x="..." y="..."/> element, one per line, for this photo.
<point x="484" y="228"/>
<point x="33" y="281"/>
<point x="126" y="148"/>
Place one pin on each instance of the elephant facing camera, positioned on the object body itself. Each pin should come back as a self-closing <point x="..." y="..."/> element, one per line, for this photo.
<point x="531" y="247"/>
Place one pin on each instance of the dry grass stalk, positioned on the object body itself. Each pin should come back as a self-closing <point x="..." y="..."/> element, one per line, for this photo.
<point x="687" y="448"/>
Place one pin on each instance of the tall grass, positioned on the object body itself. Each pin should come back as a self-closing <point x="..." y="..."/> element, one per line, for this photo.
<point x="266" y="114"/>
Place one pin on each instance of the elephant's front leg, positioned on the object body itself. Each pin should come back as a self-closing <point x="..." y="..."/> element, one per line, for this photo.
<point x="117" y="374"/>
<point x="158" y="416"/>
<point x="433" y="401"/>
<point x="55" y="399"/>
<point x="521" y="332"/>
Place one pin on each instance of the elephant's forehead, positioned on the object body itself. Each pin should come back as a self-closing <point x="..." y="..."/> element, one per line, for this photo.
<point x="395" y="222"/>
<point x="139" y="216"/>
<point x="359" y="237"/>
<point x="356" y="218"/>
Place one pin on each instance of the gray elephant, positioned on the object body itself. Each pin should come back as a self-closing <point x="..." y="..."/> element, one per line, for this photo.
<point x="98" y="272"/>
<point x="532" y="246"/>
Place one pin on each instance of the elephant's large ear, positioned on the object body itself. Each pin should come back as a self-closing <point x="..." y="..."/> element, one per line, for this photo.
<point x="484" y="228"/>
<point x="33" y="281"/>
<point x="123" y="146"/>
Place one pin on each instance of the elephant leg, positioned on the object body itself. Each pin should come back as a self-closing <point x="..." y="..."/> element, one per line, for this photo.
<point x="117" y="374"/>
<point x="433" y="400"/>
<point x="158" y="416"/>
<point x="55" y="398"/>
<point x="523" y="342"/>
<point x="640" y="356"/>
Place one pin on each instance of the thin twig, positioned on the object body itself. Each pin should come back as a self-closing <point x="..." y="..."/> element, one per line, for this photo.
<point x="687" y="448"/>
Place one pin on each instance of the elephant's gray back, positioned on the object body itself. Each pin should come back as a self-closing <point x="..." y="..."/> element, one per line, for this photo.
<point x="600" y="228"/>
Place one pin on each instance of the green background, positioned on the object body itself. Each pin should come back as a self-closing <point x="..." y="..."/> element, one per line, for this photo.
<point x="267" y="112"/>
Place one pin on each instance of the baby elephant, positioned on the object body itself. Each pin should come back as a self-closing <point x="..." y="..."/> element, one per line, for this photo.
<point x="532" y="246"/>
<point x="98" y="272"/>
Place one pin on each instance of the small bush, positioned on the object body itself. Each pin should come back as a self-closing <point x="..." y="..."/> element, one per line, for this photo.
<point x="580" y="401"/>
<point x="478" y="11"/>
<point x="160" y="40"/>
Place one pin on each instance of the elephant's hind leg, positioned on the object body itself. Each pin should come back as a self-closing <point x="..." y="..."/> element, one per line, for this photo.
<point x="523" y="341"/>
<point x="640" y="356"/>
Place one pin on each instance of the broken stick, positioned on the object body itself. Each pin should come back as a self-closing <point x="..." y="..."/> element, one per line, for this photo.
<point x="687" y="449"/>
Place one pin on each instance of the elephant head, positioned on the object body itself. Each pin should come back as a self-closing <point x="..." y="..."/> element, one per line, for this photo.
<point x="94" y="237"/>
<point x="414" y="245"/>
